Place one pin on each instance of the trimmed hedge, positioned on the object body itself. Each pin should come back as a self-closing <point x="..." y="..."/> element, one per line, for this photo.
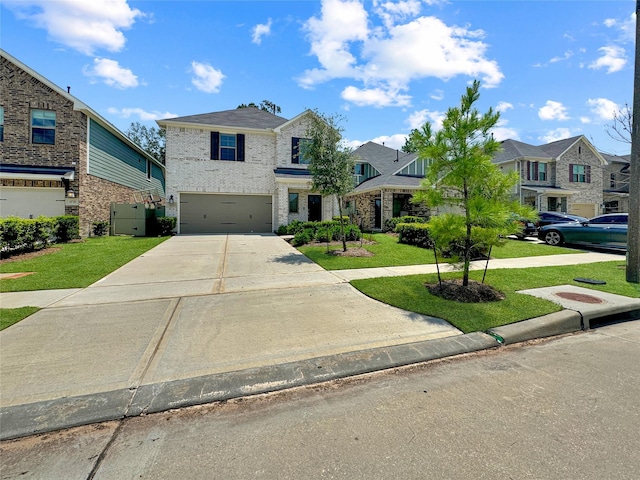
<point x="390" y="224"/>
<point x="27" y="234"/>
<point x="414" y="234"/>
<point x="326" y="231"/>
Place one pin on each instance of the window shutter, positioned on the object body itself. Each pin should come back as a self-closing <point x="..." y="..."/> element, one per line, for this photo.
<point x="535" y="170"/>
<point x="295" y="145"/>
<point x="528" y="170"/>
<point x="240" y="147"/>
<point x="571" y="172"/>
<point x="215" y="145"/>
<point x="588" y="173"/>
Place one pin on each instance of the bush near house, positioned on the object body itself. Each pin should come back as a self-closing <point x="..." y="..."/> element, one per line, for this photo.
<point x="390" y="224"/>
<point x="326" y="231"/>
<point x="19" y="235"/>
<point x="100" y="228"/>
<point x="414" y="234"/>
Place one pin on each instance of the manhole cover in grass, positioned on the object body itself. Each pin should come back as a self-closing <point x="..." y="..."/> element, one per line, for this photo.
<point x="579" y="297"/>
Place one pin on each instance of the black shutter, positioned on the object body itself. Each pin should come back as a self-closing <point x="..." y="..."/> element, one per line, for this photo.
<point x="528" y="170"/>
<point x="588" y="173"/>
<point x="215" y="145"/>
<point x="295" y="147"/>
<point x="535" y="171"/>
<point x="571" y="172"/>
<point x="240" y="147"/>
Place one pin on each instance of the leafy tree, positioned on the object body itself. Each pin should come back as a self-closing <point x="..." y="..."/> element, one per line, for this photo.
<point x="265" y="105"/>
<point x="152" y="140"/>
<point x="477" y="197"/>
<point x="330" y="161"/>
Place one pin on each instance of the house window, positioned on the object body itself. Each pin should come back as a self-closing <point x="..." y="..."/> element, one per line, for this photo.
<point x="1" y="124"/>
<point x="579" y="173"/>
<point x="298" y="146"/>
<point x="358" y="169"/>
<point x="612" y="180"/>
<point x="225" y="146"/>
<point x="293" y="203"/>
<point x="542" y="172"/>
<point x="43" y="127"/>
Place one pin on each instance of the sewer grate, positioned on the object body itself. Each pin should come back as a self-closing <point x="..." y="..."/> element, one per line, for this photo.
<point x="579" y="297"/>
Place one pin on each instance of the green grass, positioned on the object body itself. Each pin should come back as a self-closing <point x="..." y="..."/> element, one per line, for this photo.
<point x="9" y="316"/>
<point x="76" y="265"/>
<point x="387" y="252"/>
<point x="409" y="293"/>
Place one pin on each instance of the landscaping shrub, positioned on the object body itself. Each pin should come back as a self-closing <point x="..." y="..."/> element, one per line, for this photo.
<point x="25" y="234"/>
<point x="390" y="224"/>
<point x="282" y="230"/>
<point x="414" y="234"/>
<point x="352" y="232"/>
<point x="100" y="228"/>
<point x="164" y="226"/>
<point x="67" y="228"/>
<point x="301" y="237"/>
<point x="12" y="233"/>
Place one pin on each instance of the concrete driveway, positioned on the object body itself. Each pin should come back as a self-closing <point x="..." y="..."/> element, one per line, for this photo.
<point x="193" y="307"/>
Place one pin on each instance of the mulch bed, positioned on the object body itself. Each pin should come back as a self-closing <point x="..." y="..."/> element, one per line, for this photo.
<point x="27" y="255"/>
<point x="352" y="252"/>
<point x="475" y="292"/>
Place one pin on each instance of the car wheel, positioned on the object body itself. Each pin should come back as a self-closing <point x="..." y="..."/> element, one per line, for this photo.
<point x="553" y="237"/>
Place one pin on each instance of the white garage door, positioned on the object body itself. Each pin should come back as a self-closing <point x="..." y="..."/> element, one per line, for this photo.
<point x="31" y="202"/>
<point x="209" y="213"/>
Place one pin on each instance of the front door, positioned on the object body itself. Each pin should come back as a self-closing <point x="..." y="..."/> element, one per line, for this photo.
<point x="377" y="210"/>
<point x="315" y="208"/>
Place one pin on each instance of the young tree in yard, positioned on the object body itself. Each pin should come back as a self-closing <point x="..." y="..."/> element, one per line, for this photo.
<point x="151" y="140"/>
<point x="330" y="162"/>
<point x="477" y="196"/>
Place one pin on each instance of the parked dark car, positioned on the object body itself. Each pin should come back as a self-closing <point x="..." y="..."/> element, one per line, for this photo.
<point x="605" y="231"/>
<point x="528" y="229"/>
<point x="549" y="218"/>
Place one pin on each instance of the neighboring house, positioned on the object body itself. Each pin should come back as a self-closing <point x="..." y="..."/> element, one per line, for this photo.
<point x="386" y="180"/>
<point x="616" y="183"/>
<point x="564" y="176"/>
<point x="60" y="157"/>
<point x="239" y="171"/>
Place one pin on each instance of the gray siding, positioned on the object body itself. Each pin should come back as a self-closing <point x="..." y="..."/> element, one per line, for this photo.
<point x="112" y="159"/>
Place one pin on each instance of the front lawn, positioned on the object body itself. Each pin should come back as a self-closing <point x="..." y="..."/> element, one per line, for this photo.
<point x="410" y="293"/>
<point x="75" y="265"/>
<point x="387" y="252"/>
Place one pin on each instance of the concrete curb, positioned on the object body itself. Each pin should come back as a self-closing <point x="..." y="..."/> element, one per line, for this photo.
<point x="40" y="417"/>
<point x="558" y="323"/>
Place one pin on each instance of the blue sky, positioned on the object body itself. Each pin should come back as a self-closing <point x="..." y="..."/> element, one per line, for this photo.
<point x="554" y="69"/>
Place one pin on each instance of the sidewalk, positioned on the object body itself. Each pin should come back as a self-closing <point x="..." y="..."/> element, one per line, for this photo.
<point x="201" y="319"/>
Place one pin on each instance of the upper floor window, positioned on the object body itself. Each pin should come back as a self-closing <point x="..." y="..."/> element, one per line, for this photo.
<point x="43" y="127"/>
<point x="537" y="171"/>
<point x="225" y="146"/>
<point x="1" y="124"/>
<point x="612" y="180"/>
<point x="579" y="173"/>
<point x="358" y="169"/>
<point x="298" y="146"/>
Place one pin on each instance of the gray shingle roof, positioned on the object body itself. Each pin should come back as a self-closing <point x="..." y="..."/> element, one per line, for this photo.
<point x="249" y="117"/>
<point x="387" y="161"/>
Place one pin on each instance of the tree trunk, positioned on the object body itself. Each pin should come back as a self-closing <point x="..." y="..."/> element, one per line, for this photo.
<point x="344" y="239"/>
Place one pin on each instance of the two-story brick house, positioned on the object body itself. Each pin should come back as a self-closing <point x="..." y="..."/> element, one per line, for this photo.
<point x="562" y="176"/>
<point x="616" y="183"/>
<point x="60" y="157"/>
<point x="239" y="171"/>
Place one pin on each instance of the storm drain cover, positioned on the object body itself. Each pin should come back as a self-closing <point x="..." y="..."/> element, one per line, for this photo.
<point x="579" y="297"/>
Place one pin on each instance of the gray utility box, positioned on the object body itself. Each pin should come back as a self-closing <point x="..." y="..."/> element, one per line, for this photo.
<point x="136" y="219"/>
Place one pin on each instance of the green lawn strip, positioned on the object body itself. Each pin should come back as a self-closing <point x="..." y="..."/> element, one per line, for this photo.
<point x="409" y="293"/>
<point x="76" y="265"/>
<point x="387" y="252"/>
<point x="9" y="316"/>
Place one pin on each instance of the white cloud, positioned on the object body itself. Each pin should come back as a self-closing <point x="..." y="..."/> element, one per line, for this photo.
<point x="553" y="111"/>
<point x="80" y="24"/>
<point x="626" y="27"/>
<point x="504" y="106"/>
<point x="585" y="120"/>
<point x="111" y="73"/>
<point x="437" y="94"/>
<point x="567" y="55"/>
<point x="419" y="118"/>
<point x="502" y="132"/>
<point x="376" y="97"/>
<point x="605" y="109"/>
<point x="613" y="59"/>
<point x="557" y="134"/>
<point x="206" y="78"/>
<point x="345" y="47"/>
<point x="261" y="30"/>
<point x="396" y="141"/>
<point x="142" y="114"/>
